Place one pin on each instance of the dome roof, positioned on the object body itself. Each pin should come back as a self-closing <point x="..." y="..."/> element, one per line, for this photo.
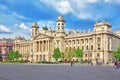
<point x="61" y="18"/>
<point x="102" y="23"/>
<point x="19" y="38"/>
<point x="35" y="25"/>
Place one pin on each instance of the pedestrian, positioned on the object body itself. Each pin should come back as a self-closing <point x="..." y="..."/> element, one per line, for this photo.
<point x="71" y="62"/>
<point x="91" y="63"/>
<point x="116" y="64"/>
<point x="88" y="62"/>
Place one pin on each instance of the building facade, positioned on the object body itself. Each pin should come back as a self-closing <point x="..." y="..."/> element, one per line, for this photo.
<point x="96" y="45"/>
<point x="6" y="44"/>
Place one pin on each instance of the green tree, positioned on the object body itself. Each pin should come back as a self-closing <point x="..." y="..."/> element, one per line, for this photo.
<point x="69" y="54"/>
<point x="62" y="56"/>
<point x="17" y="55"/>
<point x="45" y="28"/>
<point x="13" y="55"/>
<point x="78" y="53"/>
<point x="56" y="54"/>
<point x="116" y="53"/>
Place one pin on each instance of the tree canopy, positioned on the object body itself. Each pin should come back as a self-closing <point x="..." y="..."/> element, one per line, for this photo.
<point x="57" y="54"/>
<point x="62" y="56"/>
<point x="116" y="53"/>
<point x="78" y="53"/>
<point x="13" y="55"/>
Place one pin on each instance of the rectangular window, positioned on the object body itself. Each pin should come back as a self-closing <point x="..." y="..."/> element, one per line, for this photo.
<point x="86" y="47"/>
<point x="70" y="42"/>
<point x="98" y="46"/>
<point x="82" y="41"/>
<point x="86" y="40"/>
<point x="98" y="39"/>
<point x="91" y="40"/>
<point x="73" y="41"/>
<point x="91" y="47"/>
<point x="85" y="55"/>
<point x="82" y="47"/>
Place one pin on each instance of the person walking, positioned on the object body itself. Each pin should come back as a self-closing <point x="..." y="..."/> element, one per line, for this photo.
<point x="116" y="64"/>
<point x="72" y="62"/>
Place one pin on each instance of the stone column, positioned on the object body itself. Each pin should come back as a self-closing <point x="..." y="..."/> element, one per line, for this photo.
<point x="39" y="46"/>
<point x="110" y="43"/>
<point x="106" y="48"/>
<point x="48" y="46"/>
<point x="42" y="46"/>
<point x="49" y="50"/>
<point x="94" y="49"/>
<point x="94" y="42"/>
<point x="102" y="48"/>
<point x="106" y="42"/>
<point x="45" y="46"/>
<point x="36" y="46"/>
<point x="101" y="42"/>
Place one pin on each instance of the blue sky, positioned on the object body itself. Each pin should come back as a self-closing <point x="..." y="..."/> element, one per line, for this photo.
<point x="17" y="16"/>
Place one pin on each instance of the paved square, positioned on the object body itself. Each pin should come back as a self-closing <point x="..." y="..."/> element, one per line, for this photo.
<point x="57" y="72"/>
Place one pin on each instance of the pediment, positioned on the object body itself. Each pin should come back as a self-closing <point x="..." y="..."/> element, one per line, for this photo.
<point x="41" y="36"/>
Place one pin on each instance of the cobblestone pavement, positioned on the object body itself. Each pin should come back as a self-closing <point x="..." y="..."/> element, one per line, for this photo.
<point x="57" y="72"/>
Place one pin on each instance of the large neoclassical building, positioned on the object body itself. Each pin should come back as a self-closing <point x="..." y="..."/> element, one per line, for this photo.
<point x="96" y="45"/>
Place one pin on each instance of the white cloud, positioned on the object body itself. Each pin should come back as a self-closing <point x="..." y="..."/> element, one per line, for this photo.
<point x="85" y="15"/>
<point x="3" y="28"/>
<point x="112" y="1"/>
<point x="47" y="23"/>
<point x="92" y="1"/>
<point x="83" y="9"/>
<point x="22" y="26"/>
<point x="77" y="7"/>
<point x="19" y="16"/>
<point x="62" y="6"/>
<point x="107" y="1"/>
<point x="21" y="30"/>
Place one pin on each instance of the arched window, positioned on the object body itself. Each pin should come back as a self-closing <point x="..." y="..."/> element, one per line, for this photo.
<point x="87" y="47"/>
<point x="82" y="47"/>
<point x="58" y="23"/>
<point x="98" y="46"/>
<point x="91" y="47"/>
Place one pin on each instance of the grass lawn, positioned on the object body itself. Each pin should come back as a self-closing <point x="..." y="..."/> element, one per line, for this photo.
<point x="8" y="62"/>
